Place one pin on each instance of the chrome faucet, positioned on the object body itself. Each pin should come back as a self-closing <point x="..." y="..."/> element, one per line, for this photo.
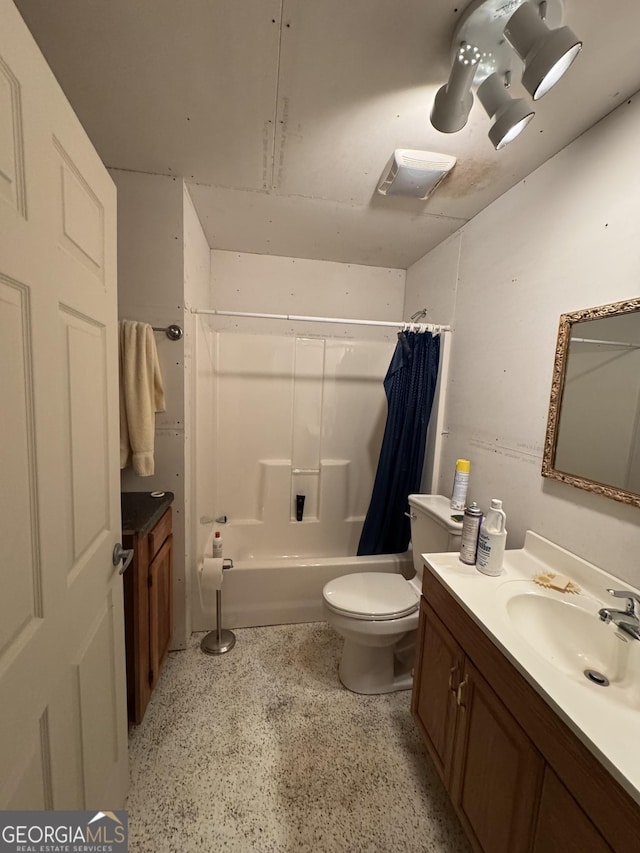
<point x="628" y="620"/>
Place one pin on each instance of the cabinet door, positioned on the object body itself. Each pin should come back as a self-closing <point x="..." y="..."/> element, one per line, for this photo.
<point x="562" y="825"/>
<point x="438" y="672"/>
<point x="136" y="604"/>
<point x="497" y="771"/>
<point x="160" y="608"/>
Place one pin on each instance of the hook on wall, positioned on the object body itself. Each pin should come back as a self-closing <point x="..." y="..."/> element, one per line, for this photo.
<point x="419" y="315"/>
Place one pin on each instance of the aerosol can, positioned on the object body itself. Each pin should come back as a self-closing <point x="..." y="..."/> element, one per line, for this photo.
<point x="470" y="532"/>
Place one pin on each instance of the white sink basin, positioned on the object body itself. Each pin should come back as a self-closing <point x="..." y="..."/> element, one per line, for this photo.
<point x="567" y="632"/>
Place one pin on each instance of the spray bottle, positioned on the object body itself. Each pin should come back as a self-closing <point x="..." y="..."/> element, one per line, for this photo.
<point x="460" y="485"/>
<point x="492" y="540"/>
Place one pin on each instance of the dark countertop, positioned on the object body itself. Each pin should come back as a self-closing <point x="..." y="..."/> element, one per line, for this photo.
<point x="141" y="512"/>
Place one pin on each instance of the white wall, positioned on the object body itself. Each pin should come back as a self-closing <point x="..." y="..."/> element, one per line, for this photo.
<point x="274" y="285"/>
<point x="150" y="289"/>
<point x="565" y="238"/>
<point x="431" y="282"/>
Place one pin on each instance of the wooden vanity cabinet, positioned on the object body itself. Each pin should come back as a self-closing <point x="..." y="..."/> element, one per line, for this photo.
<point x="489" y="766"/>
<point x="148" y="605"/>
<point x="562" y="824"/>
<point x="518" y="777"/>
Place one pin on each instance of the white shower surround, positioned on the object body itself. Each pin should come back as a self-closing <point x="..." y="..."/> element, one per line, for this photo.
<point x="292" y="415"/>
<point x="297" y="415"/>
<point x="272" y="396"/>
<point x="280" y="565"/>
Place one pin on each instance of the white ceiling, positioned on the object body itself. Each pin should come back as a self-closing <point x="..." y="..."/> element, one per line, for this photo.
<point x="281" y="114"/>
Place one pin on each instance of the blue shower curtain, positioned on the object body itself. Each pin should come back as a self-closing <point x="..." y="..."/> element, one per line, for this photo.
<point x="410" y="386"/>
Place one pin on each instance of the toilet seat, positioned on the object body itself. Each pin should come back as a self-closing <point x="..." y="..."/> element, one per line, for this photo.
<point x="373" y="596"/>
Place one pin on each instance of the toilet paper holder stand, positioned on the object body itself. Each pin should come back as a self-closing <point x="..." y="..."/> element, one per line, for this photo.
<point x="221" y="640"/>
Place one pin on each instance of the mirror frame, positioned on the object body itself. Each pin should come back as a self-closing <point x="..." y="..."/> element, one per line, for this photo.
<point x="557" y="387"/>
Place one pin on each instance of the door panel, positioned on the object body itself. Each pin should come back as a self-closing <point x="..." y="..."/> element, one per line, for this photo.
<point x="86" y="409"/>
<point x="438" y="672"/>
<point x="81" y="217"/>
<point x="63" y="742"/>
<point x="32" y="781"/>
<point x="96" y="672"/>
<point x="497" y="770"/>
<point x="20" y="600"/>
<point x="12" y="181"/>
<point x="562" y="826"/>
<point x="160" y="608"/>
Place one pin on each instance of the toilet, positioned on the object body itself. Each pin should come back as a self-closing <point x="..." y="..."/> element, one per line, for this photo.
<point x="377" y="612"/>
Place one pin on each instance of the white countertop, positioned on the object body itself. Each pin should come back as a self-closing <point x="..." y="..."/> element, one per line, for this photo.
<point x="605" y="719"/>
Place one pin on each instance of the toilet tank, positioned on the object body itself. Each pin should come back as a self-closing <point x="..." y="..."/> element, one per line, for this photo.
<point x="433" y="530"/>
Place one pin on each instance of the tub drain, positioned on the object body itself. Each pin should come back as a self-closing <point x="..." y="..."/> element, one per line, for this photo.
<point x="596" y="677"/>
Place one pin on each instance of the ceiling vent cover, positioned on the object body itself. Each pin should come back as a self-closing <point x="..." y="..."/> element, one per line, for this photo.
<point x="414" y="174"/>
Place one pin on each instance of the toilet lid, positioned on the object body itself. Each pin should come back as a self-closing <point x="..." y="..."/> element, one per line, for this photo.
<point x="372" y="595"/>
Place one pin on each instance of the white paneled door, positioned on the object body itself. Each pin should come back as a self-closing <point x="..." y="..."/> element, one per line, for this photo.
<point x="63" y="728"/>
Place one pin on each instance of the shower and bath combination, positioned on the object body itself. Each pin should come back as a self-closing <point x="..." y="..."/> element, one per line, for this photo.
<point x="298" y="426"/>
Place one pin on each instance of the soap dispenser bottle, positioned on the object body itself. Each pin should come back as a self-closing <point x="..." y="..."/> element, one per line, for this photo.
<point x="492" y="540"/>
<point x="217" y="544"/>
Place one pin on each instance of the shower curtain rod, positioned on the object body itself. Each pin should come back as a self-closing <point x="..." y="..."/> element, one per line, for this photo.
<point x="428" y="327"/>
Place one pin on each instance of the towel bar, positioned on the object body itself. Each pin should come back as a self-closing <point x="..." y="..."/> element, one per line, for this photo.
<point x="173" y="332"/>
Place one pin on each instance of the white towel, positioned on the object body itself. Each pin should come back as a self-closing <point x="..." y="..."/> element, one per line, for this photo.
<point x="141" y="396"/>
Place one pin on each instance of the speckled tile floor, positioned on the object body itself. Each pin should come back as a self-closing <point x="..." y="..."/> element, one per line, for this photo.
<point x="263" y="750"/>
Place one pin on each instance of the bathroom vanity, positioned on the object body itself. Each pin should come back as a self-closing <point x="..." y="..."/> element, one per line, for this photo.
<point x="533" y="755"/>
<point x="147" y="529"/>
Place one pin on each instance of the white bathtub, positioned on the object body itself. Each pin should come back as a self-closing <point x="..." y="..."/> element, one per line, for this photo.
<point x="287" y="590"/>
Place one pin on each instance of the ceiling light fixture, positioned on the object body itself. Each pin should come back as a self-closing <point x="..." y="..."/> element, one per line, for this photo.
<point x="546" y="53"/>
<point x="454" y="100"/>
<point x="491" y="40"/>
<point x="511" y="115"/>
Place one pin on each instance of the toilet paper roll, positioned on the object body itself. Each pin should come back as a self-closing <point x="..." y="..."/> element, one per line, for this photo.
<point x="210" y="581"/>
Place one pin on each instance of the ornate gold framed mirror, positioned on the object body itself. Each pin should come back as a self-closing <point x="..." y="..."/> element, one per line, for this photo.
<point x="593" y="427"/>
